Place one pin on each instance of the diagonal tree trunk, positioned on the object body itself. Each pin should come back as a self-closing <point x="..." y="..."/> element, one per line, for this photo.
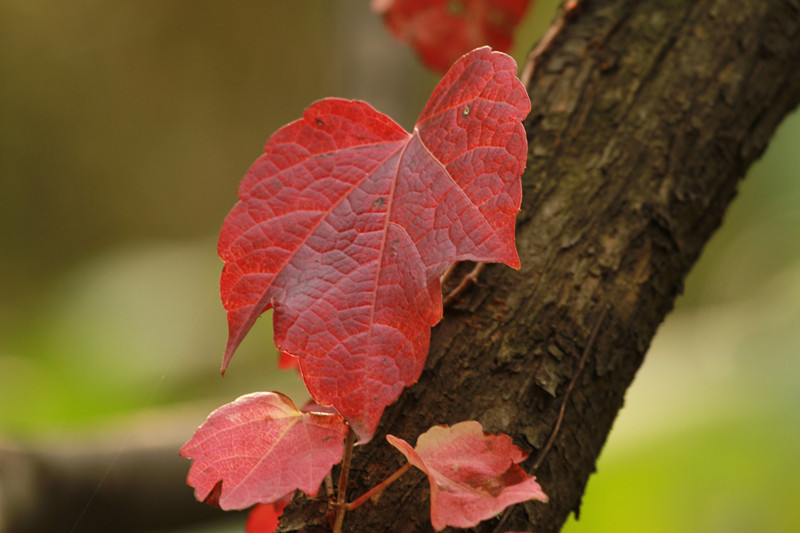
<point x="646" y="114"/>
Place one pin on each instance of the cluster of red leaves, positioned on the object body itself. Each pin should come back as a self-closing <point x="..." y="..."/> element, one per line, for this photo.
<point x="260" y="447"/>
<point x="473" y="475"/>
<point x="344" y="226"/>
<point x="441" y="31"/>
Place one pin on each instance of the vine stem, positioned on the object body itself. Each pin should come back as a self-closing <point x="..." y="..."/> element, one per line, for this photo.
<point x="549" y="444"/>
<point x="377" y="489"/>
<point x="569" y="10"/>
<point x="341" y="498"/>
<point x="447" y="273"/>
<point x="466" y="281"/>
<point x="328" y="480"/>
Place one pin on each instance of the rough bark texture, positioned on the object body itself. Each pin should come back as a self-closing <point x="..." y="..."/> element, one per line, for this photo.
<point x="646" y="114"/>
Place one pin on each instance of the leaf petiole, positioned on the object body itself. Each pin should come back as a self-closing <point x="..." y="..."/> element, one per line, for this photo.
<point x="466" y="281"/>
<point x="341" y="499"/>
<point x="377" y="489"/>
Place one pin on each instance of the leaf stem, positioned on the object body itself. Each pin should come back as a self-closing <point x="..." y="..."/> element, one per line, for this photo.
<point x="341" y="498"/>
<point x="447" y="273"/>
<point x="377" y="489"/>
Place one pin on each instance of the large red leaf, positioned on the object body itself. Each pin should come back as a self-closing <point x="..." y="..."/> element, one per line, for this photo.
<point x="346" y="222"/>
<point x="259" y="448"/>
<point x="473" y="475"/>
<point x="441" y="31"/>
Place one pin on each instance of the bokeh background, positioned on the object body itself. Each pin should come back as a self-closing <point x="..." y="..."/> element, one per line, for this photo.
<point x="125" y="128"/>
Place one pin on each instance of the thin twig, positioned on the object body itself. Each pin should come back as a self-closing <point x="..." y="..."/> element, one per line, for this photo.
<point x="581" y="364"/>
<point x="328" y="480"/>
<point x="447" y="273"/>
<point x="341" y="499"/>
<point x="466" y="281"/>
<point x="549" y="444"/>
<point x="377" y="489"/>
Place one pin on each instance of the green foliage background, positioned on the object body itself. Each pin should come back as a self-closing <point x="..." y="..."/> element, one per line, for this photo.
<point x="126" y="128"/>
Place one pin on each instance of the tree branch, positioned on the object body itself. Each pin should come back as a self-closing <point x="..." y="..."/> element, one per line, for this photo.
<point x="646" y="114"/>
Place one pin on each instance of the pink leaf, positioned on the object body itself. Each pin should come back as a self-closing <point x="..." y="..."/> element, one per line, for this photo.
<point x="260" y="448"/>
<point x="473" y="475"/>
<point x="441" y="31"/>
<point x="346" y="222"/>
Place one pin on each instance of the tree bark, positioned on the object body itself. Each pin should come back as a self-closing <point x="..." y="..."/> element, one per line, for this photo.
<point x="646" y="114"/>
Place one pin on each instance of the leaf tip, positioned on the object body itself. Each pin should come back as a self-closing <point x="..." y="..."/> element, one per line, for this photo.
<point x="230" y="349"/>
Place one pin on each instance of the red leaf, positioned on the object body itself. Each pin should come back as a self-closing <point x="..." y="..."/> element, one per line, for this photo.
<point x="473" y="475"/>
<point x="260" y="448"/>
<point x="264" y="517"/>
<point x="346" y="222"/>
<point x="441" y="31"/>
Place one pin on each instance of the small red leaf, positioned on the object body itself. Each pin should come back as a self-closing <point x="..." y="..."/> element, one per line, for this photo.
<point x="287" y="361"/>
<point x="473" y="475"/>
<point x="441" y="31"/>
<point x="264" y="517"/>
<point x="346" y="222"/>
<point x="259" y="448"/>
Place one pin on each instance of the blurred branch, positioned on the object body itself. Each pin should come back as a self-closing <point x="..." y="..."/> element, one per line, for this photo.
<point x="129" y="480"/>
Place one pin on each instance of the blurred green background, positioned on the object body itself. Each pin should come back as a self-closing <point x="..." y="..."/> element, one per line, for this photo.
<point x="126" y="127"/>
